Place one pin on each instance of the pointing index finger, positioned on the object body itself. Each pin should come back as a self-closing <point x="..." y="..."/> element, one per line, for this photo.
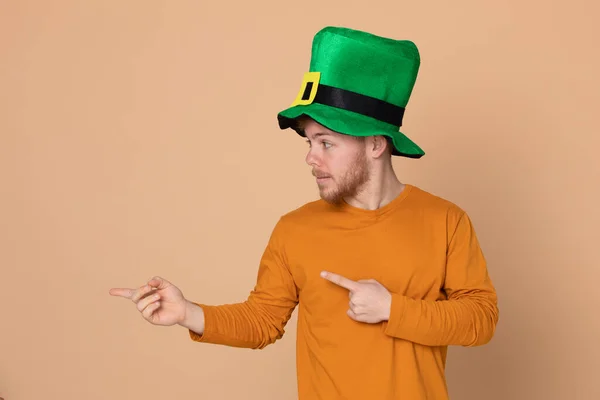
<point x="122" y="292"/>
<point x="340" y="280"/>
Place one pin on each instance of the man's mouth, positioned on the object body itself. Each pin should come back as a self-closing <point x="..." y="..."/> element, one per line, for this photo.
<point x="321" y="179"/>
<point x="321" y="176"/>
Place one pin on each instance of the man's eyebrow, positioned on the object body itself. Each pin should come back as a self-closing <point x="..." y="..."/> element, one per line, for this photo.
<point x="316" y="135"/>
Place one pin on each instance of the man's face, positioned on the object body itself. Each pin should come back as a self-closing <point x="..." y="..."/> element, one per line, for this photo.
<point x="338" y="162"/>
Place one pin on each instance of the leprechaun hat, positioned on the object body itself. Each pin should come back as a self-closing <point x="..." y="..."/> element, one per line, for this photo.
<point x="358" y="84"/>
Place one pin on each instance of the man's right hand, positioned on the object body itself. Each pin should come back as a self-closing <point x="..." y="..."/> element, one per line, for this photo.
<point x="159" y="301"/>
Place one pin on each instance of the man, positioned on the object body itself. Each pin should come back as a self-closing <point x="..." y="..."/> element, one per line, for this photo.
<point x="385" y="274"/>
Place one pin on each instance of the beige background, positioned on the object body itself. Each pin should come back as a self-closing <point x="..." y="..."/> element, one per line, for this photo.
<point x="140" y="138"/>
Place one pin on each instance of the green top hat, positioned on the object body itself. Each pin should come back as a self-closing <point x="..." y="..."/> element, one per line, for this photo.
<point x="358" y="84"/>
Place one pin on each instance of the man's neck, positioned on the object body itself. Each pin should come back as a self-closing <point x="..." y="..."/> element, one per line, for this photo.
<point x="381" y="189"/>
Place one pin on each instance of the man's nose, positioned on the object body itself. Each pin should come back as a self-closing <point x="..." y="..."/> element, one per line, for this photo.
<point x="311" y="159"/>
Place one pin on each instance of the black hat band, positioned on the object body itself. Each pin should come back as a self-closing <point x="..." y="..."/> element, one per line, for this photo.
<point x="356" y="102"/>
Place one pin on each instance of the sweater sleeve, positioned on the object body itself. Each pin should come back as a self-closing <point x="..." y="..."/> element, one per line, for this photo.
<point x="260" y="319"/>
<point x="468" y="313"/>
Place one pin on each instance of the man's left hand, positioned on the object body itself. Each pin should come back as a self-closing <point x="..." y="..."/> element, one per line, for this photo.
<point x="370" y="301"/>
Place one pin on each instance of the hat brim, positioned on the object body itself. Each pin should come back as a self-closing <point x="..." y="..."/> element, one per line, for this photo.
<point x="350" y="123"/>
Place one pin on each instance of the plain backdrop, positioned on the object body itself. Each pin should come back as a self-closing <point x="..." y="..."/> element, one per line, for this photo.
<point x="139" y="138"/>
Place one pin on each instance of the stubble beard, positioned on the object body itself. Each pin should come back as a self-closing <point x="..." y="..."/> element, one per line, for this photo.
<point x="348" y="185"/>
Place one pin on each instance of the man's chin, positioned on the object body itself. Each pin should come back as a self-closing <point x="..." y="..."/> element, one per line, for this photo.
<point x="331" y="198"/>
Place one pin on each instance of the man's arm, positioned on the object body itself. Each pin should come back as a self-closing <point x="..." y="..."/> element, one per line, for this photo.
<point x="469" y="315"/>
<point x="258" y="321"/>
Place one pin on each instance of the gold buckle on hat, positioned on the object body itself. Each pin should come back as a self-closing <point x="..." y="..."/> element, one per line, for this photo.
<point x="308" y="89"/>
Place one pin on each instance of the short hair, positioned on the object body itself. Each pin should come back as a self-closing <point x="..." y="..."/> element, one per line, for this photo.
<point x="300" y="123"/>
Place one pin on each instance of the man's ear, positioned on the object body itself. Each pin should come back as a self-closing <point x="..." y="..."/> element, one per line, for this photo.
<point x="379" y="145"/>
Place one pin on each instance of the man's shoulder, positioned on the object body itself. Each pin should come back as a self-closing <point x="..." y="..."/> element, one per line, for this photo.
<point x="306" y="215"/>
<point x="310" y="209"/>
<point x="424" y="198"/>
<point x="435" y="207"/>
<point x="444" y="211"/>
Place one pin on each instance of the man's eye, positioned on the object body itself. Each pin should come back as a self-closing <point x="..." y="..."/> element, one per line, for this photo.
<point x="326" y="144"/>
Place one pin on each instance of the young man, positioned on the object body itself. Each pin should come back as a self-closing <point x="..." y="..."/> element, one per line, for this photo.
<point x="385" y="275"/>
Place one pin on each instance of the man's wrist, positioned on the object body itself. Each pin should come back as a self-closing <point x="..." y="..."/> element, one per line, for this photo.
<point x="387" y="308"/>
<point x="193" y="318"/>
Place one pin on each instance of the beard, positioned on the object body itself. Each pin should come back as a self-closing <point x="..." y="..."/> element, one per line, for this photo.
<point x="349" y="184"/>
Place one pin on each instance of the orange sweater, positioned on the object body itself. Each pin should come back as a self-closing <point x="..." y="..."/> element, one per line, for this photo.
<point x="422" y="248"/>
